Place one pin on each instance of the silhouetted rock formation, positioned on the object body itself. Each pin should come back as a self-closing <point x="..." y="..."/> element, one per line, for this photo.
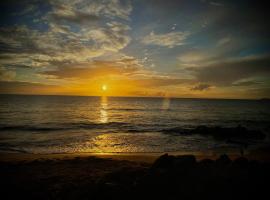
<point x="181" y="177"/>
<point x="169" y="177"/>
<point x="223" y="160"/>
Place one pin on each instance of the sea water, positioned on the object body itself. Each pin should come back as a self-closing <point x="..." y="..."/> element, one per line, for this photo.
<point x="68" y="124"/>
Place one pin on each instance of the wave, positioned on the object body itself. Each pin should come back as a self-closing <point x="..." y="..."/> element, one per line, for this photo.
<point x="30" y="128"/>
<point x="61" y="126"/>
<point x="228" y="134"/>
<point x="140" y="109"/>
<point x="127" y="109"/>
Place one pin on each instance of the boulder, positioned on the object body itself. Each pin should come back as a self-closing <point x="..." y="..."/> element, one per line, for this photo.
<point x="223" y="160"/>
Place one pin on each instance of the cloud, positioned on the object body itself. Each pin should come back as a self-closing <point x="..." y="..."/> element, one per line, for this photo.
<point x="223" y="41"/>
<point x="127" y="71"/>
<point x="6" y="75"/>
<point x="26" y="48"/>
<point x="20" y="39"/>
<point x="250" y="22"/>
<point x="259" y="92"/>
<point x="112" y="38"/>
<point x="228" y="72"/>
<point x="221" y="50"/>
<point x="201" y="87"/>
<point x="246" y="83"/>
<point x="195" y="57"/>
<point x="66" y="35"/>
<point x="84" y="41"/>
<point x="170" y="40"/>
<point x="96" y="69"/>
<point x="30" y="8"/>
<point x="83" y="11"/>
<point x="216" y="3"/>
<point x="17" y="87"/>
<point x="161" y="81"/>
<point x="63" y="13"/>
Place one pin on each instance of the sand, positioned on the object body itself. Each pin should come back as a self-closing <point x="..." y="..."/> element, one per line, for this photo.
<point x="130" y="176"/>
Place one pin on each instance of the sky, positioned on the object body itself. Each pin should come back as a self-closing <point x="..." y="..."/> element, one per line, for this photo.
<point x="157" y="48"/>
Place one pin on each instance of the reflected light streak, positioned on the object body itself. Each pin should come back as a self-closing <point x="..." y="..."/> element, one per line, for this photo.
<point x="103" y="109"/>
<point x="165" y="103"/>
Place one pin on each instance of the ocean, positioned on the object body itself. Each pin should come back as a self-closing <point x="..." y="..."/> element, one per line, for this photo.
<point x="69" y="124"/>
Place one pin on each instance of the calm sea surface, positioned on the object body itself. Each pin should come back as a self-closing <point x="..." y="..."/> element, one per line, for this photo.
<point x="66" y="124"/>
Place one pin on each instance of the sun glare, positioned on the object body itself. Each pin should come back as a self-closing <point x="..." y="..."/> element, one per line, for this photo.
<point x="104" y="87"/>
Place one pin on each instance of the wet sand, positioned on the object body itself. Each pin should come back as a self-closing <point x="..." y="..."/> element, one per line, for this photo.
<point x="259" y="154"/>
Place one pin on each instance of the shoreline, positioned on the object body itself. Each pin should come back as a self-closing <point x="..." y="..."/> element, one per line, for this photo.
<point x="81" y="176"/>
<point x="134" y="157"/>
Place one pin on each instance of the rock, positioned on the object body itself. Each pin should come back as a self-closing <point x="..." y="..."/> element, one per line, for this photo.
<point x="163" y="162"/>
<point x="221" y="133"/>
<point x="241" y="161"/>
<point x="207" y="162"/>
<point x="223" y="160"/>
<point x="185" y="160"/>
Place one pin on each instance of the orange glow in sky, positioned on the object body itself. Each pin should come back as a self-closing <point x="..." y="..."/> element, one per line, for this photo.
<point x="116" y="48"/>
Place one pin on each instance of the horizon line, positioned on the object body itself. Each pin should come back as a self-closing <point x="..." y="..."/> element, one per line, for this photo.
<point x="158" y="97"/>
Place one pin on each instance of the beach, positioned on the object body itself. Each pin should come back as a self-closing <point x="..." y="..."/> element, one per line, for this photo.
<point x="129" y="176"/>
<point x="58" y="147"/>
<point x="134" y="99"/>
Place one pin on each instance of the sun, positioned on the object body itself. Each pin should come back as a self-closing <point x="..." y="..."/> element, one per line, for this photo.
<point x="104" y="87"/>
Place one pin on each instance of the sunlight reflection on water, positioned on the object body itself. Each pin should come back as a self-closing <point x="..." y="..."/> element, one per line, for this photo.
<point x="103" y="109"/>
<point x="55" y="124"/>
<point x="140" y="142"/>
<point x="165" y="103"/>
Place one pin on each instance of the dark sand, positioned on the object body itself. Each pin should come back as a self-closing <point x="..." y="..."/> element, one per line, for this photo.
<point x="131" y="176"/>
